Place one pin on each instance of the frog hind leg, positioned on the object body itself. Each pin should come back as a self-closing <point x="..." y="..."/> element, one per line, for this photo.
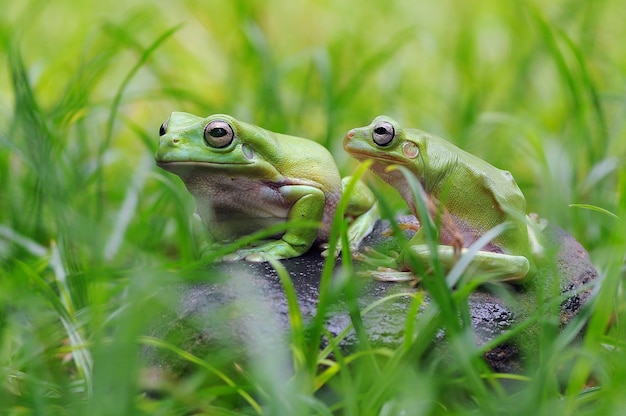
<point x="504" y="267"/>
<point x="361" y="226"/>
<point x="363" y="211"/>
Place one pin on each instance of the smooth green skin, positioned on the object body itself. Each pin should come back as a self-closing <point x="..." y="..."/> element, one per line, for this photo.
<point x="259" y="179"/>
<point x="466" y="195"/>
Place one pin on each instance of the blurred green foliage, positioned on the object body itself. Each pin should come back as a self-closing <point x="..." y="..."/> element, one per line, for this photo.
<point x="89" y="227"/>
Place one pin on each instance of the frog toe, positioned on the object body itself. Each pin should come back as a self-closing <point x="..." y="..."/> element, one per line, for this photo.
<point x="256" y="258"/>
<point x="384" y="274"/>
<point x="232" y="257"/>
<point x="374" y="257"/>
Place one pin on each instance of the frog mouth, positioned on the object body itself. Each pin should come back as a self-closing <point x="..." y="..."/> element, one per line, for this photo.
<point x="188" y="169"/>
<point x="174" y="164"/>
<point x="362" y="155"/>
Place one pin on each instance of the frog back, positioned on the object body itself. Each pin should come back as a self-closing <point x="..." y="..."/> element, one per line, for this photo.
<point x="477" y="195"/>
<point x="302" y="161"/>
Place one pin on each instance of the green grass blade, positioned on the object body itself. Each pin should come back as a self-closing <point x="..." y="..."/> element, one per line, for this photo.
<point x="299" y="342"/>
<point x="595" y="208"/>
<point x="117" y="99"/>
<point x="204" y="364"/>
<point x="325" y="289"/>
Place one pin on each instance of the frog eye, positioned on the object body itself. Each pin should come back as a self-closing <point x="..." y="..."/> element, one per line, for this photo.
<point x="163" y="128"/>
<point x="218" y="134"/>
<point x="383" y="133"/>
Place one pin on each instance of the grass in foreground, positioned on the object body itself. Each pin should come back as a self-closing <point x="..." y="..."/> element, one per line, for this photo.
<point x="89" y="230"/>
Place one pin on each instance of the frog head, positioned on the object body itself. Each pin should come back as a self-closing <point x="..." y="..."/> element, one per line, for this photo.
<point x="386" y="143"/>
<point x="190" y="145"/>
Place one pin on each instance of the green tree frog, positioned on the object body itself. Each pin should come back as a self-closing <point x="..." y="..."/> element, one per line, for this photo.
<point x="245" y="178"/>
<point x="465" y="197"/>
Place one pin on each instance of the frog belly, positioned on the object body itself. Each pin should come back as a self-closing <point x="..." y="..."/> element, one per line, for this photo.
<point x="232" y="207"/>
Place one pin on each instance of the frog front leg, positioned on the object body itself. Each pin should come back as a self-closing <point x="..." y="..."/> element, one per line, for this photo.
<point x="307" y="203"/>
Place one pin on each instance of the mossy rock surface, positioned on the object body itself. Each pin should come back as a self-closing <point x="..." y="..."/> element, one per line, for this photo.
<point x="243" y="312"/>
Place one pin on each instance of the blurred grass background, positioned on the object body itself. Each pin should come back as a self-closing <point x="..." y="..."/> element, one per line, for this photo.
<point x="89" y="227"/>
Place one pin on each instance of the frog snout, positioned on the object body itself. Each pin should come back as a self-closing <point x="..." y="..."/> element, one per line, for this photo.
<point x="170" y="141"/>
<point x="168" y="145"/>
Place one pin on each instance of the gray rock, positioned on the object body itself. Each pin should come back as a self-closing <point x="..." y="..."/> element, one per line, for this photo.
<point x="240" y="310"/>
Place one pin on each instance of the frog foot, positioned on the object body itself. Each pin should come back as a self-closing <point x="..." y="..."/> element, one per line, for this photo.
<point x="374" y="257"/>
<point x="232" y="257"/>
<point x="325" y="250"/>
<point x="386" y="274"/>
<point x="278" y="249"/>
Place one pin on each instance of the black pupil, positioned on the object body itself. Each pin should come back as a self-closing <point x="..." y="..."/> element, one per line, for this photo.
<point x="381" y="130"/>
<point x="162" y="130"/>
<point x="218" y="132"/>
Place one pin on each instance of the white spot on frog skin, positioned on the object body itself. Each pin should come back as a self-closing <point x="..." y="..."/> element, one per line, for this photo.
<point x="410" y="150"/>
<point x="247" y="152"/>
<point x="508" y="175"/>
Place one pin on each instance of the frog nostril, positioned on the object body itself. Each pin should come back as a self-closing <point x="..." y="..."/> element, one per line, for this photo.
<point x="350" y="134"/>
<point x="175" y="141"/>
